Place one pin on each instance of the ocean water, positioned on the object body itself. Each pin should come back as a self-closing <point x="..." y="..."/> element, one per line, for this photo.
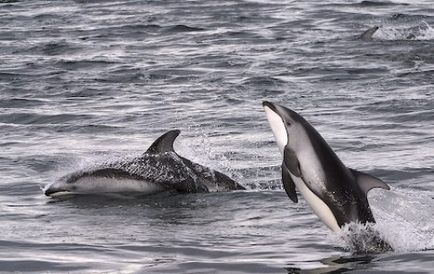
<point x="84" y="82"/>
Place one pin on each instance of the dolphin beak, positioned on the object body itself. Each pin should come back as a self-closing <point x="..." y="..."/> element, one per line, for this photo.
<point x="269" y="105"/>
<point x="51" y="190"/>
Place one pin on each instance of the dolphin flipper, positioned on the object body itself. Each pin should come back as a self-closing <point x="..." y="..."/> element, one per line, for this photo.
<point x="291" y="161"/>
<point x="288" y="184"/>
<point x="164" y="143"/>
<point x="368" y="182"/>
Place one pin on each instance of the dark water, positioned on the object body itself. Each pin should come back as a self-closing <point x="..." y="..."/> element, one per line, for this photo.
<point x="89" y="81"/>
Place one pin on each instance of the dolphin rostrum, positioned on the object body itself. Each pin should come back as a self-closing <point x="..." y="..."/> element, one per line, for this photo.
<point x="159" y="169"/>
<point x="336" y="193"/>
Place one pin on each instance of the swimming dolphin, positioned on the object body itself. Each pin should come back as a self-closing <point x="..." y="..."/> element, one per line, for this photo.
<point x="336" y="193"/>
<point x="160" y="168"/>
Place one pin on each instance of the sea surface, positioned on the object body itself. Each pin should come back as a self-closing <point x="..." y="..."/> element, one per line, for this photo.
<point x="85" y="82"/>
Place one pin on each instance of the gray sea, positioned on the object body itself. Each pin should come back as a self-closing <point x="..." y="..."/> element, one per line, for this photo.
<point x="85" y="82"/>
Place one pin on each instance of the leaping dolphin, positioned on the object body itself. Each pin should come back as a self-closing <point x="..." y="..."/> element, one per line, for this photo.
<point x="337" y="194"/>
<point x="160" y="168"/>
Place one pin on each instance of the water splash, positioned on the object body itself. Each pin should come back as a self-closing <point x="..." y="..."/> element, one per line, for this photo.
<point x="364" y="239"/>
<point x="404" y="221"/>
<point x="404" y="217"/>
<point x="204" y="152"/>
<point x="423" y="31"/>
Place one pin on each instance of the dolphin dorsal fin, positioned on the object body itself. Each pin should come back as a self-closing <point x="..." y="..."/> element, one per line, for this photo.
<point x="368" y="182"/>
<point x="164" y="143"/>
<point x="367" y="35"/>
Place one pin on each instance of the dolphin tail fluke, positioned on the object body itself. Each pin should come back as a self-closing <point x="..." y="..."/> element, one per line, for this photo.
<point x="288" y="184"/>
<point x="164" y="143"/>
<point x="368" y="182"/>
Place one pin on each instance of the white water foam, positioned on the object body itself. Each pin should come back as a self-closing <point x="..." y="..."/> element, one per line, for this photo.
<point x="364" y="238"/>
<point x="423" y="31"/>
<point x="404" y="220"/>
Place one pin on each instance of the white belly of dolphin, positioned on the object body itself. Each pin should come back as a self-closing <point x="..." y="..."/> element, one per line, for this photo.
<point x="102" y="184"/>
<point x="317" y="205"/>
<point x="278" y="128"/>
<point x="91" y="184"/>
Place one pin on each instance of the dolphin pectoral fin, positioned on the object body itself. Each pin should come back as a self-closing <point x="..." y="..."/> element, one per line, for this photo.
<point x="288" y="184"/>
<point x="164" y="143"/>
<point x="290" y="160"/>
<point x="368" y="182"/>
